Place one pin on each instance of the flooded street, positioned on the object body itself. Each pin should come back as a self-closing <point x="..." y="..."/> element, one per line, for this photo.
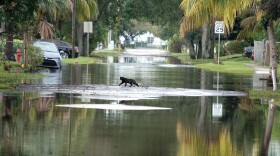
<point x="178" y="110"/>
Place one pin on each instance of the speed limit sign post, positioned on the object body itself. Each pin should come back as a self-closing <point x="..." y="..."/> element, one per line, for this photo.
<point x="219" y="29"/>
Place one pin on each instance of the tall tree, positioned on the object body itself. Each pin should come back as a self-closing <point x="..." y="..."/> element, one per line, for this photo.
<point x="87" y="10"/>
<point x="157" y="12"/>
<point x="272" y="13"/>
<point x="15" y="12"/>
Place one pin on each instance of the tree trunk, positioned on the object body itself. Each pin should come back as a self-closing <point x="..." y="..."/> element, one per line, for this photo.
<point x="211" y="42"/>
<point x="80" y="39"/>
<point x="199" y="50"/>
<point x="268" y="128"/>
<point x="9" y="43"/>
<point x="191" y="48"/>
<point x="267" y="54"/>
<point x="203" y="103"/>
<point x="273" y="54"/>
<point x="205" y="41"/>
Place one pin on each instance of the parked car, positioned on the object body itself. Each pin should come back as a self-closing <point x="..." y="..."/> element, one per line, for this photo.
<point x="253" y="56"/>
<point x="247" y="51"/>
<point x="66" y="48"/>
<point x="52" y="58"/>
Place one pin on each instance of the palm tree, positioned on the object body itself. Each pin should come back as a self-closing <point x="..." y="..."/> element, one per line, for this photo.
<point x="272" y="13"/>
<point x="47" y="11"/>
<point x="205" y="12"/>
<point x="55" y="10"/>
<point x="86" y="10"/>
<point x="202" y="14"/>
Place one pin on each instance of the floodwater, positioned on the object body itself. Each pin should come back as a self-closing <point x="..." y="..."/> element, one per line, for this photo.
<point x="178" y="110"/>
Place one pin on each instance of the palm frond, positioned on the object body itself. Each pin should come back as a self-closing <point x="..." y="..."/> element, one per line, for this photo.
<point x="86" y="10"/>
<point x="249" y="22"/>
<point x="93" y="9"/>
<point x="46" y="30"/>
<point x="206" y="12"/>
<point x="243" y="34"/>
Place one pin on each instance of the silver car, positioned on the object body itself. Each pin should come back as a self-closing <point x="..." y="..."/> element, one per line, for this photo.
<point x="52" y="57"/>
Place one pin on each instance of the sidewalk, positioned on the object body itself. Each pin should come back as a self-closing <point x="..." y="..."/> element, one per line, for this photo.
<point x="258" y="69"/>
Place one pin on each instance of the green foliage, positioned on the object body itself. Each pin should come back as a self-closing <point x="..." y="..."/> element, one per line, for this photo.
<point x="277" y="30"/>
<point x="158" y="12"/>
<point x="17" y="44"/>
<point x="34" y="58"/>
<point x="167" y="31"/>
<point x="235" y="47"/>
<point x="138" y="27"/>
<point x="18" y="11"/>
<point x="272" y="9"/>
<point x="260" y="35"/>
<point x="99" y="34"/>
<point x="175" y="44"/>
<point x="163" y="13"/>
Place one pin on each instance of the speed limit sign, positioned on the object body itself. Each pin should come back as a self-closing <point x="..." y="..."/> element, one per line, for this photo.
<point x="219" y="27"/>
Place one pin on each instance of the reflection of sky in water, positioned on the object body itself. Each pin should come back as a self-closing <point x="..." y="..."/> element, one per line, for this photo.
<point x="112" y="107"/>
<point x="139" y="59"/>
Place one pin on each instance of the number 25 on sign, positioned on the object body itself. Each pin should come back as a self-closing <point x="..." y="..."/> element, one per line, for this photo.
<point x="219" y="27"/>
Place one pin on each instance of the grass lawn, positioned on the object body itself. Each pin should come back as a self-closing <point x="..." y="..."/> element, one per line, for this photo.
<point x="94" y="57"/>
<point x="227" y="67"/>
<point x="10" y="79"/>
<point x="105" y="53"/>
<point x="230" y="64"/>
<point x="80" y="60"/>
<point x="266" y="95"/>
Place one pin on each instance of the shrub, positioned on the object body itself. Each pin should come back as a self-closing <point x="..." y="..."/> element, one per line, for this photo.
<point x="34" y="58"/>
<point x="235" y="47"/>
<point x="175" y="44"/>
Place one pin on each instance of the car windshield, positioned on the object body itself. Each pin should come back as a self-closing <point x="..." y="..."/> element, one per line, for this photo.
<point x="60" y="43"/>
<point x="49" y="47"/>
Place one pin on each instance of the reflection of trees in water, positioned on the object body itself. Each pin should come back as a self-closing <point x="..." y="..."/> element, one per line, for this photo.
<point x="8" y="133"/>
<point x="44" y="104"/>
<point x="7" y="100"/>
<point x="268" y="128"/>
<point x="192" y="142"/>
<point x="38" y="125"/>
<point x="243" y="124"/>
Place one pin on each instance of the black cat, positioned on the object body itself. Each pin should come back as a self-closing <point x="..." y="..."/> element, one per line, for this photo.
<point x="126" y="80"/>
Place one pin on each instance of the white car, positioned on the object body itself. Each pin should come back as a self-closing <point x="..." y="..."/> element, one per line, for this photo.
<point x="52" y="57"/>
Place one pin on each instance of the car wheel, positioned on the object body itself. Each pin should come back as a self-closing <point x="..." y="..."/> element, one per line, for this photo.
<point x="66" y="55"/>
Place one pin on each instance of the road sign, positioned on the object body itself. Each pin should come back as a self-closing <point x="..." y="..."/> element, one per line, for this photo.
<point x="217" y="110"/>
<point x="87" y="27"/>
<point x="219" y="27"/>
